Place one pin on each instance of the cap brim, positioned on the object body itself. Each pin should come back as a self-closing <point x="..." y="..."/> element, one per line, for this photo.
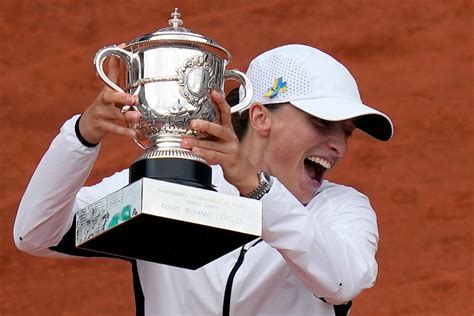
<point x="370" y="121"/>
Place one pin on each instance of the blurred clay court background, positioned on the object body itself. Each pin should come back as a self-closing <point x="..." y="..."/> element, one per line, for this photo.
<point x="411" y="59"/>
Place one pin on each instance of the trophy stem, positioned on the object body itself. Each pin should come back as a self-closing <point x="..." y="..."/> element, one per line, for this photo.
<point x="177" y="153"/>
<point x="175" y="165"/>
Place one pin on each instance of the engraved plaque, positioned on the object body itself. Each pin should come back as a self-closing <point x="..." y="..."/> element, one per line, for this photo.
<point x="168" y="223"/>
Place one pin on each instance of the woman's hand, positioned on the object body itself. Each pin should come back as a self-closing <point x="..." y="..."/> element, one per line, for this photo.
<point x="222" y="147"/>
<point x="104" y="115"/>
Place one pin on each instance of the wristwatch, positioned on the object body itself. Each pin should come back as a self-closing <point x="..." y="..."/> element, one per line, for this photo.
<point x="265" y="182"/>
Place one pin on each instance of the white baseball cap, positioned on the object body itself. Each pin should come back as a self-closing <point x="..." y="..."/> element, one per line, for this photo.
<point x="315" y="83"/>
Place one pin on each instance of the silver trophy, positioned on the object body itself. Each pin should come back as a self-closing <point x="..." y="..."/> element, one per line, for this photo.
<point x="170" y="213"/>
<point x="172" y="72"/>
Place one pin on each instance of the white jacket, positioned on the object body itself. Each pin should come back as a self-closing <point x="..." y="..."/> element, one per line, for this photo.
<point x="324" y="250"/>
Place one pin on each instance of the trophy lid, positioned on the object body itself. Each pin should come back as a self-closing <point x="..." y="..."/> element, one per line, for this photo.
<point x="175" y="34"/>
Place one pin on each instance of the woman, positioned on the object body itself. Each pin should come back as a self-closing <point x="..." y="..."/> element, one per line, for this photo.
<point x="319" y="238"/>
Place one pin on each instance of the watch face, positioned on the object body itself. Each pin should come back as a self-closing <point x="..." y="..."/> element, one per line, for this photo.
<point x="265" y="177"/>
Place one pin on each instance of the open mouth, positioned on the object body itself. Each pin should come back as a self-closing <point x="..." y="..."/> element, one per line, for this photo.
<point x="316" y="167"/>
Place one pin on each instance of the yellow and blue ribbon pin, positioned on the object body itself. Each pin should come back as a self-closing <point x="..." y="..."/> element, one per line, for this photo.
<point x="278" y="86"/>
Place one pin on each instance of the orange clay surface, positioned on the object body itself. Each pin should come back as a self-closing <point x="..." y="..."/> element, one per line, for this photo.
<point x="412" y="59"/>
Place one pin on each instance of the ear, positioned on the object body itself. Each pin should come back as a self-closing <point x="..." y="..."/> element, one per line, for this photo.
<point x="260" y="119"/>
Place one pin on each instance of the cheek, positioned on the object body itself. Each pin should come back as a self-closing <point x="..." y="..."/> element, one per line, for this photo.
<point x="283" y="162"/>
<point x="289" y="149"/>
<point x="284" y="152"/>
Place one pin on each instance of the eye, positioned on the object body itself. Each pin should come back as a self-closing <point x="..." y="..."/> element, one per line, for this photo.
<point x="348" y="131"/>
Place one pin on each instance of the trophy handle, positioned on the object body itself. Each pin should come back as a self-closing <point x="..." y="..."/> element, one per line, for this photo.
<point x="100" y="57"/>
<point x="248" y="88"/>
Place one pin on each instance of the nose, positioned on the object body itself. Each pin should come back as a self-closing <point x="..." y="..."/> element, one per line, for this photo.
<point x="337" y="142"/>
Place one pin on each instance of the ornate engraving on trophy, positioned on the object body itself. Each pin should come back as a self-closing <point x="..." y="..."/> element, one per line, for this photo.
<point x="194" y="79"/>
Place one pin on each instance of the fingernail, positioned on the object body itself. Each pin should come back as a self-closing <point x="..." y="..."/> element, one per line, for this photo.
<point x="185" y="143"/>
<point x="130" y="100"/>
<point x="194" y="124"/>
<point x="217" y="91"/>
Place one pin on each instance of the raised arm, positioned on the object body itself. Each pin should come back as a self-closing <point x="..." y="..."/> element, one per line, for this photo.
<point x="49" y="203"/>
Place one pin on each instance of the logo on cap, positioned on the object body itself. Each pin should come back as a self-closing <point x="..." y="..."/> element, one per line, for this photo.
<point x="278" y="86"/>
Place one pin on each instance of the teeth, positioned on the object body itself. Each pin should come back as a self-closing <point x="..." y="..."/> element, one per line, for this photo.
<point x="320" y="161"/>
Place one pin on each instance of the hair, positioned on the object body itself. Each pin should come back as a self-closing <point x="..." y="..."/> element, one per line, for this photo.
<point x="240" y="120"/>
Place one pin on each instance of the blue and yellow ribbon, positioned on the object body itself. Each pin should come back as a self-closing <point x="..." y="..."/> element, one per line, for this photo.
<point x="278" y="86"/>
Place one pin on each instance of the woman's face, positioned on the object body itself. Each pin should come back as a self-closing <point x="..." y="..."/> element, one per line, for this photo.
<point x="302" y="148"/>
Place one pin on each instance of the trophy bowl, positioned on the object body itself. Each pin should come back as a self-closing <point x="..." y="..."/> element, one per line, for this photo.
<point x="171" y="72"/>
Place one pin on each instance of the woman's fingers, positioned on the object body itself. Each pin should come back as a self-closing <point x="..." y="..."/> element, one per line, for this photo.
<point x="118" y="129"/>
<point x="223" y="145"/>
<point x="104" y="115"/>
<point x="224" y="154"/>
<point x="210" y="156"/>
<point x="223" y="107"/>
<point x="114" y="66"/>
<point x="218" y="131"/>
<point x="109" y="96"/>
<point x="114" y="69"/>
<point x="227" y="148"/>
<point x="132" y="116"/>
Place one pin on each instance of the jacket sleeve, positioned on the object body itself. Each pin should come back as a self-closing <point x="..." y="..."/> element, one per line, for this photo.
<point x="330" y="243"/>
<point x="54" y="193"/>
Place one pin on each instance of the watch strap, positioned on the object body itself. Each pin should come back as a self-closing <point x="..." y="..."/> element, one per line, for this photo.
<point x="265" y="182"/>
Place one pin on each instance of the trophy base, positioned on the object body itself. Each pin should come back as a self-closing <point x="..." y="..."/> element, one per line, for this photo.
<point x="168" y="223"/>
<point x="181" y="171"/>
<point x="167" y="241"/>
